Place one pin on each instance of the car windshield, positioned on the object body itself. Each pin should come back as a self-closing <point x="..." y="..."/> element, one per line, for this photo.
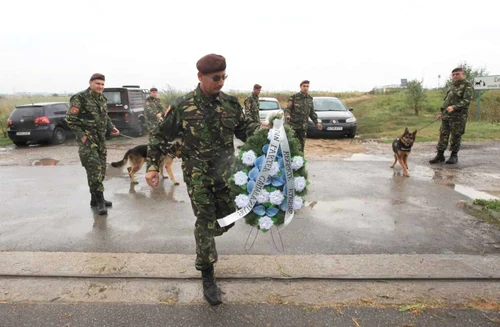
<point x="268" y="105"/>
<point x="113" y="97"/>
<point x="328" y="104"/>
<point x="23" y="112"/>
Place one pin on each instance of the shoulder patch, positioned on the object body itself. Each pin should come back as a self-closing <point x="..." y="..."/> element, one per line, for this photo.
<point x="74" y="110"/>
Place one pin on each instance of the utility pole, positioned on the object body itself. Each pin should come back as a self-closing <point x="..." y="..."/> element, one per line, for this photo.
<point x="439" y="81"/>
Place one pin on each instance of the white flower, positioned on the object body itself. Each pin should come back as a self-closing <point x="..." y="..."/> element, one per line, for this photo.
<point x="297" y="202"/>
<point x="242" y="200"/>
<point x="263" y="196"/>
<point x="276" y="197"/>
<point x="240" y="178"/>
<point x="248" y="158"/>
<point x="299" y="183"/>
<point x="265" y="223"/>
<point x="275" y="168"/>
<point x="270" y="134"/>
<point x="297" y="162"/>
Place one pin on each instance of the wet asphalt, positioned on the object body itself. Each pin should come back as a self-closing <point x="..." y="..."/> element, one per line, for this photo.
<point x="355" y="206"/>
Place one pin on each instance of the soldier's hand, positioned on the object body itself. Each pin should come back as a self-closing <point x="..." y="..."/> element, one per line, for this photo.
<point x="159" y="115"/>
<point x="152" y="178"/>
<point x="115" y="131"/>
<point x="450" y="109"/>
<point x="287" y="119"/>
<point x="319" y="126"/>
<point x="84" y="138"/>
<point x="439" y="117"/>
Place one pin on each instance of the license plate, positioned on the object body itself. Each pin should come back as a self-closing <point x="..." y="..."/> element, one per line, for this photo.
<point x="23" y="133"/>
<point x="334" y="128"/>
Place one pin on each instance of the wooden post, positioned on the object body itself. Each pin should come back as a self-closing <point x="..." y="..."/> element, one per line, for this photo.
<point x="478" y="107"/>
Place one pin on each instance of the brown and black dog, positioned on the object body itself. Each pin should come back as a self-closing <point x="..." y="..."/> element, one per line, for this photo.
<point x="402" y="148"/>
<point x="137" y="157"/>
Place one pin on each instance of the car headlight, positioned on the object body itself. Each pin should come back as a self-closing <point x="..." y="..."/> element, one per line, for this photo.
<point x="351" y="120"/>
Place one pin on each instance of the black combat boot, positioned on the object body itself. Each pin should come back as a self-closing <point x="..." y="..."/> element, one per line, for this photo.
<point x="93" y="203"/>
<point x="210" y="289"/>
<point x="453" y="158"/>
<point x="101" y="206"/>
<point x="438" y="158"/>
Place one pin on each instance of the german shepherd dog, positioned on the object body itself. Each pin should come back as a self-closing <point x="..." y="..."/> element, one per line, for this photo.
<point x="137" y="157"/>
<point x="402" y="148"/>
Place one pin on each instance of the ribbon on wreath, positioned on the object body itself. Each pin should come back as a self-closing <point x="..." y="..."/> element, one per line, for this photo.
<point x="278" y="140"/>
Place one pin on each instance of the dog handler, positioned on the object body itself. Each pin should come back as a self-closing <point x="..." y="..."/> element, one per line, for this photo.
<point x="88" y="118"/>
<point x="454" y="113"/>
<point x="208" y="119"/>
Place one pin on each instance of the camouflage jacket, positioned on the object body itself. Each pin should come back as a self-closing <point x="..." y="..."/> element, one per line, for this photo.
<point x="88" y="115"/>
<point x="252" y="108"/>
<point x="152" y="107"/>
<point x="299" y="108"/>
<point x="459" y="95"/>
<point x="208" y="126"/>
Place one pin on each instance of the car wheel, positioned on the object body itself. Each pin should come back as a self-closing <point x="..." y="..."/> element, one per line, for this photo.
<point x="20" y="143"/>
<point x="59" y="136"/>
<point x="351" y="135"/>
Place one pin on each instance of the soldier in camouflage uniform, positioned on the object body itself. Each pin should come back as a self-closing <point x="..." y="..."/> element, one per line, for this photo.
<point x="88" y="118"/>
<point x="251" y="104"/>
<point x="454" y="113"/>
<point x="153" y="110"/>
<point x="299" y="108"/>
<point x="208" y="119"/>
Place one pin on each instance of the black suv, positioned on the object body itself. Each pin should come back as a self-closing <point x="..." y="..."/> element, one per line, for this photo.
<point x="38" y="122"/>
<point x="126" y="107"/>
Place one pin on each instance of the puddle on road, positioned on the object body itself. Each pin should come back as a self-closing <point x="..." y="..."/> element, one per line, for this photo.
<point x="366" y="157"/>
<point x="46" y="162"/>
<point x="474" y="194"/>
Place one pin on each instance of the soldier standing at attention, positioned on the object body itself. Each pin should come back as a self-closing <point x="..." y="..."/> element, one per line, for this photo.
<point x="299" y="108"/>
<point x="252" y="104"/>
<point x="208" y="119"/>
<point x="153" y="109"/>
<point x="454" y="113"/>
<point x="88" y="118"/>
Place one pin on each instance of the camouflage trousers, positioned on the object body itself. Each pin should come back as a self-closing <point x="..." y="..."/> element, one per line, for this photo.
<point x="301" y="136"/>
<point x="93" y="159"/>
<point x="210" y="202"/>
<point x="454" y="127"/>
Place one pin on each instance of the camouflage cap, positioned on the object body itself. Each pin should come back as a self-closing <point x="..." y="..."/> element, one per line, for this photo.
<point x="257" y="86"/>
<point x="97" y="76"/>
<point x="153" y="89"/>
<point x="211" y="63"/>
<point x="304" y="82"/>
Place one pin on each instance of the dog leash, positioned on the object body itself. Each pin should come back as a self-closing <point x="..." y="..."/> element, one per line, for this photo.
<point x="126" y="136"/>
<point x="428" y="124"/>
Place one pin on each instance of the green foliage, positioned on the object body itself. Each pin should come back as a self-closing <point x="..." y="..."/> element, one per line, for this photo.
<point x="489" y="204"/>
<point x="169" y="94"/>
<point x="415" y="95"/>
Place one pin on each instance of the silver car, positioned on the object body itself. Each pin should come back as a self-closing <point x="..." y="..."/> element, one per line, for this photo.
<point x="267" y="107"/>
<point x="335" y="117"/>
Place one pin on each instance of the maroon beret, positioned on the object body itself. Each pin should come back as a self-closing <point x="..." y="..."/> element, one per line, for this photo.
<point x="153" y="89"/>
<point x="257" y="86"/>
<point x="211" y="63"/>
<point x="97" y="76"/>
<point x="304" y="82"/>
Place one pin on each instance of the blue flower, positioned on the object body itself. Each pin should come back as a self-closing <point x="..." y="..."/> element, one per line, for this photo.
<point x="265" y="148"/>
<point x="259" y="210"/>
<point x="250" y="186"/>
<point x="259" y="162"/>
<point x="284" y="204"/>
<point x="254" y="173"/>
<point x="277" y="181"/>
<point x="271" y="211"/>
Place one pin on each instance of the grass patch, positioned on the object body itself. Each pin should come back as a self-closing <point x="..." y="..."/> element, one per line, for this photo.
<point x="489" y="204"/>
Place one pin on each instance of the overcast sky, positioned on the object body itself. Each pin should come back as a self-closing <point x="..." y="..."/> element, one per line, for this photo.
<point x="54" y="46"/>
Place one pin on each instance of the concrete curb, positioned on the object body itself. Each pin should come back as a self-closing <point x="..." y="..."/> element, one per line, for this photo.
<point x="175" y="266"/>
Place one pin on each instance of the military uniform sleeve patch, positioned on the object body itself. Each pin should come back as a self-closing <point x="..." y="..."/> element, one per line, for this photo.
<point x="249" y="105"/>
<point x="74" y="110"/>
